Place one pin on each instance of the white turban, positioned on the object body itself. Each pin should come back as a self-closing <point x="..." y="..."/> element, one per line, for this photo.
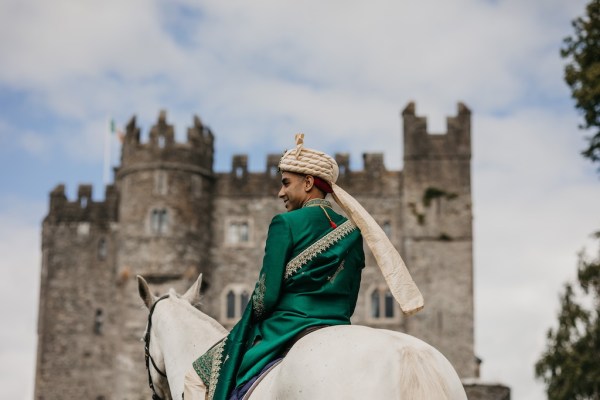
<point x="301" y="160"/>
<point x="305" y="161"/>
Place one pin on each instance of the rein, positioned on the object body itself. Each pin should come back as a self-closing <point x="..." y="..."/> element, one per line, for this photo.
<point x="147" y="355"/>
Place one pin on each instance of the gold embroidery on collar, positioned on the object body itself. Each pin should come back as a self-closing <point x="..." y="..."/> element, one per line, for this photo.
<point x="317" y="202"/>
<point x="318" y="247"/>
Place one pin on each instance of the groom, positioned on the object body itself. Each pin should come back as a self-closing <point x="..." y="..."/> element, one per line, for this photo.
<point x="310" y="277"/>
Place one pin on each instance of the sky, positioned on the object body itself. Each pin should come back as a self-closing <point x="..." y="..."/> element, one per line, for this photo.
<point x="339" y="71"/>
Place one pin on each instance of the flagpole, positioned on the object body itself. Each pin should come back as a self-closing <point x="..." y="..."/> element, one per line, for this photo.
<point x="107" y="134"/>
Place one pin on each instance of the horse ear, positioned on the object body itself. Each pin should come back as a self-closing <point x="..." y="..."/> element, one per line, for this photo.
<point x="193" y="293"/>
<point x="145" y="292"/>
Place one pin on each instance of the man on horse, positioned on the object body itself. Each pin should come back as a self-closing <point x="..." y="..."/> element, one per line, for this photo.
<point x="310" y="277"/>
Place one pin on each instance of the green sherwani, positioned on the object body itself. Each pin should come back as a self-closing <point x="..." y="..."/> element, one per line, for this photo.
<point x="310" y="276"/>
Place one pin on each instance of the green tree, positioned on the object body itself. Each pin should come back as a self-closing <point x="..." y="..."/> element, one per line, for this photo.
<point x="570" y="365"/>
<point x="582" y="73"/>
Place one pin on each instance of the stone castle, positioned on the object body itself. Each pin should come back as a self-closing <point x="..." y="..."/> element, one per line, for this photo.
<point x="169" y="216"/>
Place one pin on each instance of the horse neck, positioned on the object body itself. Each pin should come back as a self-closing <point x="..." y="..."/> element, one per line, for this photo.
<point x="184" y="334"/>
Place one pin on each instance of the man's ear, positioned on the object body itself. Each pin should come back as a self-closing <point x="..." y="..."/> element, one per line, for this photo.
<point x="309" y="182"/>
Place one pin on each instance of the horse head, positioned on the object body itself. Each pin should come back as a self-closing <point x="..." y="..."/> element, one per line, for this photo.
<point x="176" y="333"/>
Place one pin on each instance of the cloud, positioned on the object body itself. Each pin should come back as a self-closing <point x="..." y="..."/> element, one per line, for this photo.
<point x="32" y="143"/>
<point x="341" y="71"/>
<point x="533" y="203"/>
<point x="56" y="42"/>
<point x="302" y="65"/>
<point x="20" y="268"/>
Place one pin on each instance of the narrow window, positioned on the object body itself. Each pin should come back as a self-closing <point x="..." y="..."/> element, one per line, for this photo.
<point x="102" y="249"/>
<point x="154" y="221"/>
<point x="159" y="221"/>
<point x="244" y="299"/>
<point x="273" y="171"/>
<point x="375" y="304"/>
<point x="235" y="299"/>
<point x="230" y="304"/>
<point x="243" y="232"/>
<point x="83" y="201"/>
<point x="98" y="321"/>
<point x="387" y="228"/>
<point x="381" y="304"/>
<point x="232" y="233"/>
<point x="162" y="226"/>
<point x="160" y="183"/>
<point x="238" y="232"/>
<point x="196" y="186"/>
<point x="389" y="305"/>
<point x="161" y="142"/>
<point x="239" y="172"/>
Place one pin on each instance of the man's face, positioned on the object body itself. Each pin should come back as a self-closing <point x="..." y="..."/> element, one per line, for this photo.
<point x="292" y="190"/>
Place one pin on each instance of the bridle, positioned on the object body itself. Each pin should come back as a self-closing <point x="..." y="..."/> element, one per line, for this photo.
<point x="147" y="355"/>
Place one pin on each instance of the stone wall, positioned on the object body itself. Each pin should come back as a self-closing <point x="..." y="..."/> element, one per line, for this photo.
<point x="77" y="322"/>
<point x="438" y="241"/>
<point x="486" y="391"/>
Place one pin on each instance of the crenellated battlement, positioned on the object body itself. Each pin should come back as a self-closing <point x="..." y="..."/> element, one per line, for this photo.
<point x="83" y="208"/>
<point x="161" y="146"/>
<point x="419" y="143"/>
<point x="372" y="163"/>
<point x="374" y="177"/>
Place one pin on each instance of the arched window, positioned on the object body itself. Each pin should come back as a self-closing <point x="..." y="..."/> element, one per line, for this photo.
<point x="230" y="304"/>
<point x="375" y="313"/>
<point x="381" y="304"/>
<point x="235" y="300"/>
<point x="244" y="300"/>
<point x="388" y="303"/>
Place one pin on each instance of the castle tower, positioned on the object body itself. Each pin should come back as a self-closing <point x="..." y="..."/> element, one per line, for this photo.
<point x="165" y="211"/>
<point x="77" y="309"/>
<point x="437" y="234"/>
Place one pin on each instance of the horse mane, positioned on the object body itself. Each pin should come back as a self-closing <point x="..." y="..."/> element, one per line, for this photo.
<point x="202" y="315"/>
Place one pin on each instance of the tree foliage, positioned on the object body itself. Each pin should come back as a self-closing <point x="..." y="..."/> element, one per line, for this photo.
<point x="582" y="73"/>
<point x="570" y="365"/>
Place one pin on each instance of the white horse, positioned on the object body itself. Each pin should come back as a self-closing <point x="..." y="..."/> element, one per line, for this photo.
<point x="339" y="362"/>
